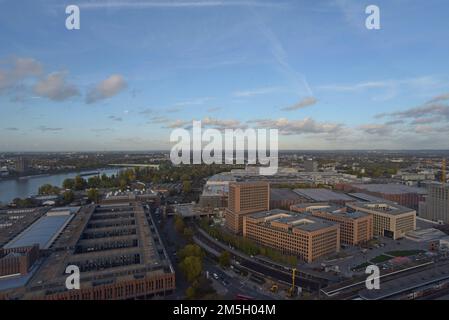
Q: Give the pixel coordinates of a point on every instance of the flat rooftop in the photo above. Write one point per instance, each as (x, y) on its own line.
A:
(394, 288)
(364, 197)
(42, 232)
(300, 221)
(278, 194)
(322, 195)
(382, 207)
(109, 243)
(390, 188)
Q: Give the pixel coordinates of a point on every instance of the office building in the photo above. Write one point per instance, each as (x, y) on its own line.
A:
(389, 219)
(436, 204)
(310, 165)
(303, 235)
(21, 165)
(245, 198)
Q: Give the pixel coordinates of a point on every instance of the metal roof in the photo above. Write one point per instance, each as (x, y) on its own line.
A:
(42, 232)
(322, 195)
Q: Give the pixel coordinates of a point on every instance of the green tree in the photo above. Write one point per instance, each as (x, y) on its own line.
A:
(179, 224)
(188, 234)
(68, 196)
(80, 183)
(48, 189)
(190, 292)
(225, 259)
(186, 186)
(68, 184)
(191, 250)
(192, 267)
(93, 195)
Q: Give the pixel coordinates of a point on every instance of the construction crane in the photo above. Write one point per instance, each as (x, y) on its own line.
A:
(291, 291)
(443, 171)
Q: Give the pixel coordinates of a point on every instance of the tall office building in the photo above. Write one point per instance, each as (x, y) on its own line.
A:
(21, 165)
(436, 205)
(245, 198)
(310, 165)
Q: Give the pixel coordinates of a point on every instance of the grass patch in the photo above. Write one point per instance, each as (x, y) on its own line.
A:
(404, 253)
(381, 258)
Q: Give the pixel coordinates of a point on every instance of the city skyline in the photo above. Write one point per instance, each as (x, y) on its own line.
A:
(138, 69)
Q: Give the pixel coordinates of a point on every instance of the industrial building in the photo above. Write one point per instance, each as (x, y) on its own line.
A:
(389, 219)
(402, 194)
(119, 254)
(303, 235)
(215, 191)
(45, 230)
(436, 204)
(15, 221)
(284, 198)
(245, 198)
(323, 195)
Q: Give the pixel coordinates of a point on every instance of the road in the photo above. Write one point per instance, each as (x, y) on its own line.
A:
(173, 242)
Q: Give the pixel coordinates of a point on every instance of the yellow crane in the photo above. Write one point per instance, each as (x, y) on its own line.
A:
(291, 291)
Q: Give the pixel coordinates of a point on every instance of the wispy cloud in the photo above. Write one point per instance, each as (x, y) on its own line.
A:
(194, 102)
(49, 129)
(439, 98)
(306, 102)
(299, 82)
(256, 92)
(388, 88)
(115, 118)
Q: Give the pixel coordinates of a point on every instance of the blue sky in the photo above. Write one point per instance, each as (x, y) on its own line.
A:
(137, 69)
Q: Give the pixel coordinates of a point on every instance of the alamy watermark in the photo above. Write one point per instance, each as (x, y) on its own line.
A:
(73, 21)
(209, 146)
(73, 280)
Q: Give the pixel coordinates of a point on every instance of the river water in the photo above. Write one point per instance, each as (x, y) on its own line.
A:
(25, 187)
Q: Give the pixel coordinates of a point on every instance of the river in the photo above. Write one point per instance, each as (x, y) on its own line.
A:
(26, 187)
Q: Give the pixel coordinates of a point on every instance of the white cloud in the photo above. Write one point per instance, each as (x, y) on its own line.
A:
(302, 126)
(18, 69)
(55, 87)
(106, 88)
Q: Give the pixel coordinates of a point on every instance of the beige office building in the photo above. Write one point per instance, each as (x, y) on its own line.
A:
(245, 198)
(389, 219)
(303, 235)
